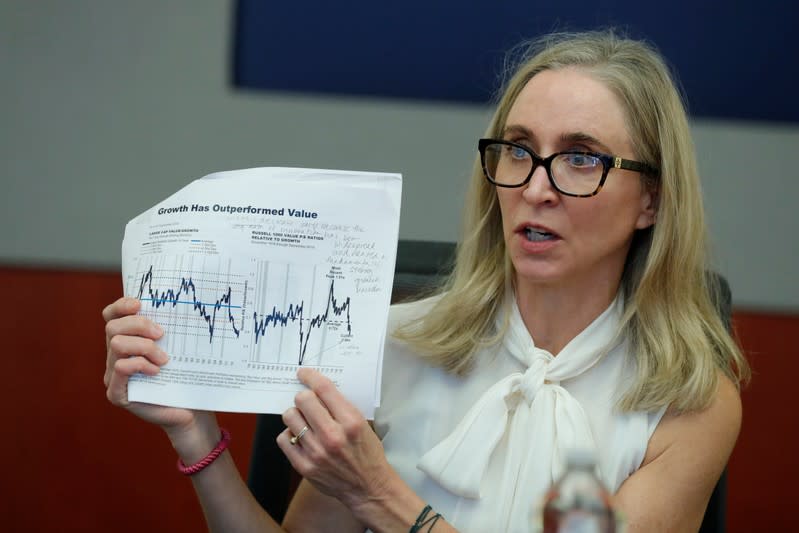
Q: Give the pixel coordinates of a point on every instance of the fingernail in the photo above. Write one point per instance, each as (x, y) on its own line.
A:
(159, 330)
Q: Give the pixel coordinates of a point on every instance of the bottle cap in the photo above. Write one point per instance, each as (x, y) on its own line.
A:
(580, 457)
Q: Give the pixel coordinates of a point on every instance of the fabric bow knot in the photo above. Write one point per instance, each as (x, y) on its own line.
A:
(524, 407)
(534, 377)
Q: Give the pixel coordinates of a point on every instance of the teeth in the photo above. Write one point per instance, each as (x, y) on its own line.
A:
(536, 235)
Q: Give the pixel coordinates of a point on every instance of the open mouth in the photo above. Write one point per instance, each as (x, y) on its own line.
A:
(537, 235)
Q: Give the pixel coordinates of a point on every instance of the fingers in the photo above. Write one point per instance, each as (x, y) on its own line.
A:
(326, 391)
(129, 337)
(127, 334)
(333, 418)
(122, 347)
(117, 391)
(131, 349)
(314, 411)
(132, 325)
(339, 455)
(294, 420)
(299, 452)
(122, 307)
(121, 319)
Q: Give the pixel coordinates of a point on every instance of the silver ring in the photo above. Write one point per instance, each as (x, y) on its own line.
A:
(295, 439)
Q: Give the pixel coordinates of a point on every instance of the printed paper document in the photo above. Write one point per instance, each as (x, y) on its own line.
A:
(254, 273)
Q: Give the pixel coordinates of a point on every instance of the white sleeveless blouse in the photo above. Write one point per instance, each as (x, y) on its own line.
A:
(482, 450)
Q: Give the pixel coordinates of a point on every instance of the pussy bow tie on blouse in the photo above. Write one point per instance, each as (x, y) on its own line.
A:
(524, 407)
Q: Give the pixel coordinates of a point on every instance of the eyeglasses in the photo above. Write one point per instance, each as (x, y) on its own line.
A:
(573, 173)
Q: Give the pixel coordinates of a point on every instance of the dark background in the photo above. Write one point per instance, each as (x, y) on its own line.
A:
(735, 59)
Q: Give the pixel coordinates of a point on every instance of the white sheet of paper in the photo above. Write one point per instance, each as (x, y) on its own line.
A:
(254, 273)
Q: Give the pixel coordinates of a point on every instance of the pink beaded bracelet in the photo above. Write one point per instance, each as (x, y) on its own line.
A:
(208, 459)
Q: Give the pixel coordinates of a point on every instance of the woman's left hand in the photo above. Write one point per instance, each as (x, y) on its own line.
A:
(338, 453)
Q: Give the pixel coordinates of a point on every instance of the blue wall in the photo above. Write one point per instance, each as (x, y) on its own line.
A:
(735, 60)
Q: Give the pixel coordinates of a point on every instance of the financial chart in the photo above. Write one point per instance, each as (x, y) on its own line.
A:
(274, 312)
(255, 274)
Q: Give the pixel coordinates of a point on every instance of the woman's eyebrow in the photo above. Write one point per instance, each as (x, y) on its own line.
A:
(584, 138)
(577, 137)
(518, 129)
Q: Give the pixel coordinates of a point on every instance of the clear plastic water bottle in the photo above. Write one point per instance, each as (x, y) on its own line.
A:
(578, 502)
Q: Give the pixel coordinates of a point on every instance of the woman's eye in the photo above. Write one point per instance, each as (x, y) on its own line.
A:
(582, 160)
(518, 153)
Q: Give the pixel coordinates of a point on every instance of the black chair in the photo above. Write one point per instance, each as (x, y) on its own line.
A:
(420, 265)
(715, 520)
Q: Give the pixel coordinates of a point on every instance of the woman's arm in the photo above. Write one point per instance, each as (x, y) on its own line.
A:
(344, 460)
(341, 456)
(227, 504)
(313, 512)
(684, 460)
(131, 348)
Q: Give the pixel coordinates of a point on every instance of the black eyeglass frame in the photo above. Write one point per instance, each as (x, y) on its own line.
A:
(608, 162)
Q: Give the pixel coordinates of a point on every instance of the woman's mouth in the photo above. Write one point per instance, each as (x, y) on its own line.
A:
(538, 235)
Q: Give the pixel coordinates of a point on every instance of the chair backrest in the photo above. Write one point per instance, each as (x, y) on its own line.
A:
(715, 515)
(420, 265)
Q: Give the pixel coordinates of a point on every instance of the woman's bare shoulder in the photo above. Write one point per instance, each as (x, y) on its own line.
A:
(718, 424)
(684, 459)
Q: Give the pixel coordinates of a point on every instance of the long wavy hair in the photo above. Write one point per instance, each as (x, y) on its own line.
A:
(675, 334)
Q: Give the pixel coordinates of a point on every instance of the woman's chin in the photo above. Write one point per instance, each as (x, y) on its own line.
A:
(538, 274)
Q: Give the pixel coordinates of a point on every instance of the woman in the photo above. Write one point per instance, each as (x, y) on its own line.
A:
(578, 315)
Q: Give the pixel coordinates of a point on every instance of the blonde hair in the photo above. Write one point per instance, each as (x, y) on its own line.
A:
(675, 334)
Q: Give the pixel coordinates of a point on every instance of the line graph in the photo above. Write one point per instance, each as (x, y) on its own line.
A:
(295, 313)
(200, 301)
(247, 311)
(170, 296)
(287, 296)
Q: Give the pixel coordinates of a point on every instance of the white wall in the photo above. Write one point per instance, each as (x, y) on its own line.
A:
(109, 106)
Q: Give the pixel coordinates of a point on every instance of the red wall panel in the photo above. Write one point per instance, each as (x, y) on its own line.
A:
(764, 467)
(74, 462)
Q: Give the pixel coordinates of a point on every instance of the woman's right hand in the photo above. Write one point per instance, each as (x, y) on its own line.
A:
(131, 348)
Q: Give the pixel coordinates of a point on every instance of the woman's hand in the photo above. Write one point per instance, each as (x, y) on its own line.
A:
(131, 348)
(338, 453)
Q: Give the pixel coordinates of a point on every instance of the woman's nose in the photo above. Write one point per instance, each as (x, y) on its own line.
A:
(539, 189)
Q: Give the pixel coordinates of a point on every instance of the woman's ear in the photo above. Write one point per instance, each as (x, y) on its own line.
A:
(649, 205)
